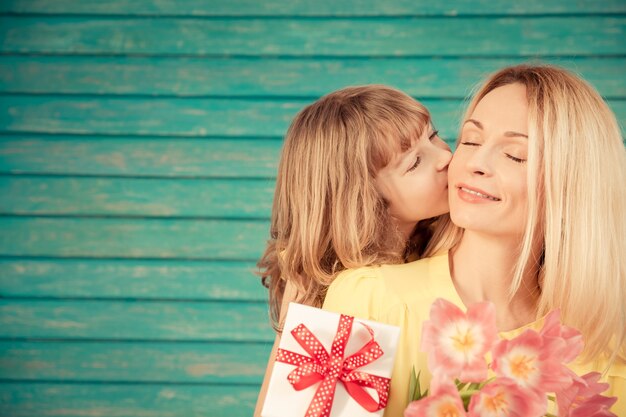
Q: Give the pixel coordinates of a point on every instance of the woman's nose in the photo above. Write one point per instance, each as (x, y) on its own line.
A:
(479, 162)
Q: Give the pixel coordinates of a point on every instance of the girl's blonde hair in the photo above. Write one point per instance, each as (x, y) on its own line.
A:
(577, 203)
(327, 213)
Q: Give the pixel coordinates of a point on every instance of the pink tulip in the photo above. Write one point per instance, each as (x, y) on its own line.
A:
(456, 342)
(443, 401)
(504, 398)
(596, 406)
(582, 397)
(582, 388)
(566, 342)
(531, 363)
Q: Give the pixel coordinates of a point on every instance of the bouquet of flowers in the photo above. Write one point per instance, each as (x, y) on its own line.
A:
(529, 370)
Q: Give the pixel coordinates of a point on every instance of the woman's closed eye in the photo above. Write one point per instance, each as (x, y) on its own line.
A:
(515, 159)
(433, 135)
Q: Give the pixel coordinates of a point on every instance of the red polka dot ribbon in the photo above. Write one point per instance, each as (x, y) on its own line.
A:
(333, 367)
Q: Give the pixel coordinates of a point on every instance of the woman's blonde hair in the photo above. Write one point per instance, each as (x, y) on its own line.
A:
(576, 203)
(327, 213)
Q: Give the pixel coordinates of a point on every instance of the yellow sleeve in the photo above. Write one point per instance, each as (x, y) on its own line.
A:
(618, 389)
(356, 292)
(617, 382)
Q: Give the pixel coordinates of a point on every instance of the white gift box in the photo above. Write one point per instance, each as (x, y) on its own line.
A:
(283, 400)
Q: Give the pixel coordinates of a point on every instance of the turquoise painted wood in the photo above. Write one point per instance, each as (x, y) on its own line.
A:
(142, 116)
(144, 279)
(98, 196)
(139, 143)
(466, 36)
(307, 8)
(217, 321)
(450, 77)
(125, 400)
(125, 156)
(133, 238)
(155, 362)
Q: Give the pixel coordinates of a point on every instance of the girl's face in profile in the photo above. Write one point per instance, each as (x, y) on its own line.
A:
(487, 176)
(415, 182)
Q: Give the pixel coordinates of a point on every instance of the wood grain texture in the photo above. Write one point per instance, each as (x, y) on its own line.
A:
(139, 156)
(141, 116)
(307, 8)
(161, 279)
(411, 36)
(156, 362)
(185, 117)
(125, 400)
(272, 77)
(145, 197)
(135, 320)
(133, 238)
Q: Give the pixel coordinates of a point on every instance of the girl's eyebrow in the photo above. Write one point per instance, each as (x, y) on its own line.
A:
(507, 134)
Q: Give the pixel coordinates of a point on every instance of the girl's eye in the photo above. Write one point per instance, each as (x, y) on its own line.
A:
(433, 135)
(466, 143)
(516, 159)
(417, 162)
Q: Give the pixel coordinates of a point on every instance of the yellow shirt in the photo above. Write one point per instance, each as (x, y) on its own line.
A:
(401, 295)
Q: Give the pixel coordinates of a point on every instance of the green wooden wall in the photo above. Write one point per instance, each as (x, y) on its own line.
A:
(138, 150)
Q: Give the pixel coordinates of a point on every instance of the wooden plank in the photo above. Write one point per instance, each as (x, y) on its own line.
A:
(213, 363)
(241, 240)
(125, 400)
(271, 77)
(130, 279)
(147, 116)
(410, 36)
(135, 320)
(146, 197)
(187, 117)
(307, 8)
(122, 156)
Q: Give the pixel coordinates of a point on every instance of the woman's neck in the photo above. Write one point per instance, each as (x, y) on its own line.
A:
(482, 269)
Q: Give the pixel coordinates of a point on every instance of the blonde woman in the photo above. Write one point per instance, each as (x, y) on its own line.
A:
(537, 186)
(360, 168)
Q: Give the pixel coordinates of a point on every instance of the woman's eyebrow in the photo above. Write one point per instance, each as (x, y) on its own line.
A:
(507, 134)
(476, 122)
(515, 135)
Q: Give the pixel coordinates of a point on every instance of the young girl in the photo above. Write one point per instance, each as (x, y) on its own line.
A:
(537, 185)
(360, 170)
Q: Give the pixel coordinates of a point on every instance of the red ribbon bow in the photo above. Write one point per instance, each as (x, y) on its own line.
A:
(329, 369)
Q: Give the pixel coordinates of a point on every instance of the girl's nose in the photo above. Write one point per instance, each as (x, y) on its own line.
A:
(445, 156)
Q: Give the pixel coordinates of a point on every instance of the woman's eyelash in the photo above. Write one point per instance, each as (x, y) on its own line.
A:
(516, 159)
(417, 162)
(511, 157)
(433, 135)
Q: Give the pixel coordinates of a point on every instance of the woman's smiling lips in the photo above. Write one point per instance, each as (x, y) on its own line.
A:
(474, 195)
